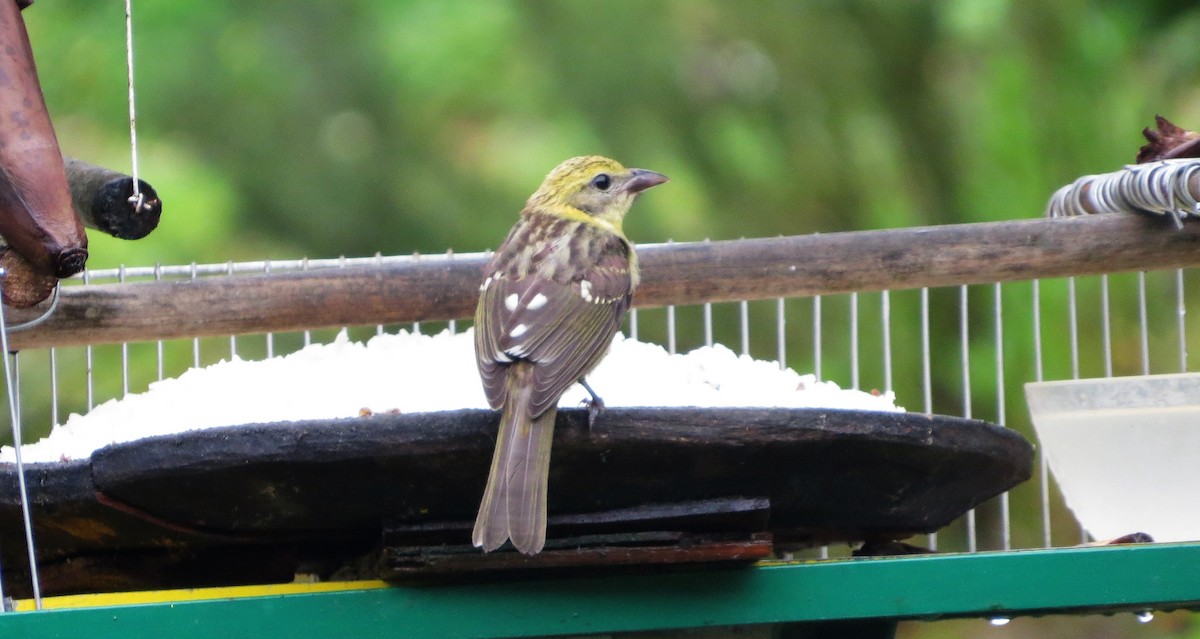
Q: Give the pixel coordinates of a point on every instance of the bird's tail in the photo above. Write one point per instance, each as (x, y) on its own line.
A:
(514, 502)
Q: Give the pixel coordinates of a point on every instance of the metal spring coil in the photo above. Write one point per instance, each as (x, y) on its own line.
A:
(1161, 188)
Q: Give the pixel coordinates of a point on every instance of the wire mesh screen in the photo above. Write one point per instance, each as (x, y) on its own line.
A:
(964, 351)
(958, 350)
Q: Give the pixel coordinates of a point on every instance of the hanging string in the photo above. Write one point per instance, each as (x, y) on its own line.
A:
(138, 198)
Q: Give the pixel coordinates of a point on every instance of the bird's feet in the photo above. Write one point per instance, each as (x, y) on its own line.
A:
(595, 405)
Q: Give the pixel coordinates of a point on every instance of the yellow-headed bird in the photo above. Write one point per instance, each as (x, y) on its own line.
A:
(552, 298)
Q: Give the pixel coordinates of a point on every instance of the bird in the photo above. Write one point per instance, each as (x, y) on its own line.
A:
(552, 298)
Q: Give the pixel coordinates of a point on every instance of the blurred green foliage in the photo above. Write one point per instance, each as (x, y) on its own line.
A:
(280, 129)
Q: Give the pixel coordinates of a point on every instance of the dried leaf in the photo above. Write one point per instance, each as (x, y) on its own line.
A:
(1167, 142)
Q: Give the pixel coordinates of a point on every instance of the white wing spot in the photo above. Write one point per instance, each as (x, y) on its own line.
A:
(537, 302)
(517, 351)
(486, 283)
(585, 290)
(518, 330)
(510, 302)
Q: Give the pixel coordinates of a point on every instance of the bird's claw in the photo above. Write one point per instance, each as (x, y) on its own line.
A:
(595, 406)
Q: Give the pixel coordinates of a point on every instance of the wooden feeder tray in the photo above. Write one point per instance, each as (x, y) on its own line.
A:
(260, 502)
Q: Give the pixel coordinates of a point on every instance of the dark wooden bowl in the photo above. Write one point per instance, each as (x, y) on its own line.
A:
(287, 492)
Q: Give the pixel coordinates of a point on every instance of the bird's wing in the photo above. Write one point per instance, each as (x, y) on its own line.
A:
(595, 304)
(490, 358)
(564, 327)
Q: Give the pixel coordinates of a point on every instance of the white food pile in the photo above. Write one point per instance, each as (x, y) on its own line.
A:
(415, 373)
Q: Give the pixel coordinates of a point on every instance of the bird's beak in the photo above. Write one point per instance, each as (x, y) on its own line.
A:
(642, 179)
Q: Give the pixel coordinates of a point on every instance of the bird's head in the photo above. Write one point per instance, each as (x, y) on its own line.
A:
(598, 188)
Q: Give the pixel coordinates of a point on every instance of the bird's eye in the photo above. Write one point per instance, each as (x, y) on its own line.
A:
(602, 181)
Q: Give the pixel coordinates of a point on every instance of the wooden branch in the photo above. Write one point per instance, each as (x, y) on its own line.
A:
(684, 273)
(932, 256)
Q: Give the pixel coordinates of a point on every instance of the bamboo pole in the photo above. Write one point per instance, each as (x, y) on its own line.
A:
(680, 273)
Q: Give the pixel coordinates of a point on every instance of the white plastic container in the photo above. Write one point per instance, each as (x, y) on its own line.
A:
(1125, 451)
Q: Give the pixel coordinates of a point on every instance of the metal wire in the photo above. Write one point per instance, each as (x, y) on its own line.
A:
(1001, 416)
(158, 344)
(1043, 464)
(232, 338)
(195, 340)
(124, 350)
(708, 318)
(270, 337)
(89, 357)
(965, 361)
(854, 381)
(926, 372)
(55, 296)
(452, 325)
(1073, 333)
(708, 323)
(1073, 326)
(417, 257)
(823, 551)
(781, 333)
(671, 329)
(886, 321)
(379, 261)
(1106, 327)
(53, 386)
(744, 325)
(1143, 323)
(1181, 320)
(926, 379)
(816, 322)
(14, 413)
(256, 266)
(670, 322)
(308, 333)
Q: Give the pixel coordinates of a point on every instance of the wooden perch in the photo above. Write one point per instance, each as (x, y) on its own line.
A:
(683, 273)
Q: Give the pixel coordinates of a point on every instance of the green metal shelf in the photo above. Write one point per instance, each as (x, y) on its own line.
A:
(991, 584)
